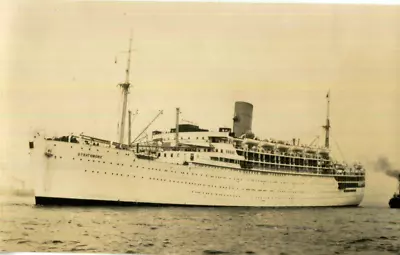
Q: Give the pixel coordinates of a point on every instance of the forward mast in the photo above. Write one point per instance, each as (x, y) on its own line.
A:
(327, 125)
(125, 90)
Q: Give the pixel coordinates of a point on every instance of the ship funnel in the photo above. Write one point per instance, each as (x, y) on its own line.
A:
(243, 118)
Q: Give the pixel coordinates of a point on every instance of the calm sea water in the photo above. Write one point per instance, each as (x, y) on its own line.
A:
(172, 230)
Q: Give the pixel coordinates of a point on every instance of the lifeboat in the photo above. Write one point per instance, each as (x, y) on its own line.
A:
(324, 151)
(250, 142)
(311, 150)
(283, 146)
(297, 149)
(267, 144)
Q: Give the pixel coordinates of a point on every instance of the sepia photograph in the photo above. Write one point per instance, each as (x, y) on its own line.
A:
(200, 127)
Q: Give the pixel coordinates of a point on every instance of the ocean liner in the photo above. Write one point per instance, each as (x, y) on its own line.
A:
(191, 166)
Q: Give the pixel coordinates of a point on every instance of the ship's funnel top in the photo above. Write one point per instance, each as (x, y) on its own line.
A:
(243, 118)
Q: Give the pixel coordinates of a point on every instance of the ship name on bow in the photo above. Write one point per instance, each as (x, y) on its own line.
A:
(89, 155)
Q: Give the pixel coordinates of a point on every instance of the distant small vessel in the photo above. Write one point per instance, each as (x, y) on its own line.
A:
(394, 202)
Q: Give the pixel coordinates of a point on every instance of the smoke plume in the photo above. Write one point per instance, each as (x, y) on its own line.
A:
(383, 165)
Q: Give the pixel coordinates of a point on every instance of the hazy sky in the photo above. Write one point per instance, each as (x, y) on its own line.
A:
(202, 57)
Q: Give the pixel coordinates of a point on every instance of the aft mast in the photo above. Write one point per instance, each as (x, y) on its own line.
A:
(328, 125)
(129, 126)
(177, 127)
(125, 88)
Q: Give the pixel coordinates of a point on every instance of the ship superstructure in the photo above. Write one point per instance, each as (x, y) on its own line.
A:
(188, 165)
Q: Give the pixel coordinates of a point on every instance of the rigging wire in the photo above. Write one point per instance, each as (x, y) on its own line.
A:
(141, 137)
(314, 134)
(340, 151)
(119, 110)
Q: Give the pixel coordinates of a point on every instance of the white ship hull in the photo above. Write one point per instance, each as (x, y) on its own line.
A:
(82, 174)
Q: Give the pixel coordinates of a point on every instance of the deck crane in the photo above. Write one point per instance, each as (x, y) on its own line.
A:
(130, 115)
(144, 130)
(313, 141)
